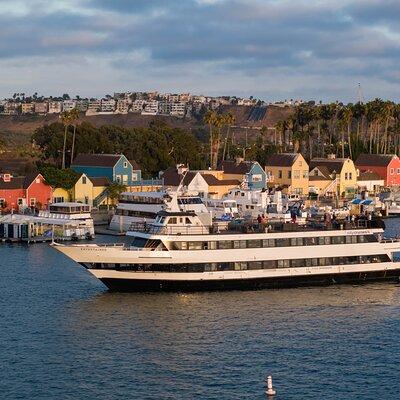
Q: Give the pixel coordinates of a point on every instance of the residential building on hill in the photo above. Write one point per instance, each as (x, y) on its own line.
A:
(342, 170)
(27, 108)
(387, 166)
(288, 171)
(41, 108)
(115, 167)
(55, 107)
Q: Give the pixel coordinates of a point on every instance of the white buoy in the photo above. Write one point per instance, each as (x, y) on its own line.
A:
(270, 390)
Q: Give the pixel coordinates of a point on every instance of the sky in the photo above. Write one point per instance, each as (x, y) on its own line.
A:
(269, 49)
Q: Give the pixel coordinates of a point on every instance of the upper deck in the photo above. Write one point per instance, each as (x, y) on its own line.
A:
(252, 227)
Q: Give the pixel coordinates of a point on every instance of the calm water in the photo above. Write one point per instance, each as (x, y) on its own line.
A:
(63, 336)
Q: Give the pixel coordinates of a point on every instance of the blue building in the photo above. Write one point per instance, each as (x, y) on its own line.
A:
(250, 173)
(116, 167)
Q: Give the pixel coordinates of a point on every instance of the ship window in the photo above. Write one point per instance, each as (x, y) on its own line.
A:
(172, 220)
(139, 242)
(338, 239)
(225, 244)
(271, 243)
(314, 262)
(311, 241)
(253, 244)
(297, 263)
(269, 264)
(321, 261)
(212, 245)
(187, 221)
(361, 239)
(265, 243)
(255, 265)
(195, 245)
(239, 244)
(283, 242)
(308, 262)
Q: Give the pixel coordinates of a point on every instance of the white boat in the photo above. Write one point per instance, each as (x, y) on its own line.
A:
(64, 221)
(186, 251)
(144, 206)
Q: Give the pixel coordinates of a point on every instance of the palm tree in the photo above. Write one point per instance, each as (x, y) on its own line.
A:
(229, 121)
(210, 118)
(281, 127)
(66, 119)
(74, 116)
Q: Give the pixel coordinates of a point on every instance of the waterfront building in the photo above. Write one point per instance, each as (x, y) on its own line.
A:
(288, 171)
(249, 173)
(115, 167)
(342, 170)
(321, 182)
(370, 181)
(387, 166)
(24, 191)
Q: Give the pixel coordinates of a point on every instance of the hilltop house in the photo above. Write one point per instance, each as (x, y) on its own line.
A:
(115, 167)
(288, 171)
(387, 166)
(249, 173)
(341, 170)
(25, 191)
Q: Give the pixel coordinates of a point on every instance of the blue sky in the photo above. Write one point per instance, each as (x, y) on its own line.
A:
(271, 49)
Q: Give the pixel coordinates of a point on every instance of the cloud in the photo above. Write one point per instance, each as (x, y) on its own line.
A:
(271, 49)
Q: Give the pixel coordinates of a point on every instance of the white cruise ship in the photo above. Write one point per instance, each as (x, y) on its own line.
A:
(186, 251)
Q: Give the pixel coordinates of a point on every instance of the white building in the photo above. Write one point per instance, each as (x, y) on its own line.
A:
(107, 105)
(151, 108)
(93, 107)
(138, 105)
(55, 107)
(69, 105)
(122, 107)
(164, 107)
(178, 109)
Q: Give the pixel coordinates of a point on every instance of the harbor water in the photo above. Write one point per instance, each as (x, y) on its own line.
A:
(64, 336)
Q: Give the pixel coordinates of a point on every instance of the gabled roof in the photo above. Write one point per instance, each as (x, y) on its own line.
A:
(19, 182)
(238, 168)
(171, 177)
(99, 181)
(369, 176)
(282, 160)
(318, 178)
(96, 160)
(374, 160)
(333, 165)
(213, 181)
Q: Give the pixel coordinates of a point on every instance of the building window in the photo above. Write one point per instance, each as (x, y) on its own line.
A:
(84, 180)
(257, 178)
(289, 174)
(296, 174)
(280, 174)
(58, 200)
(134, 177)
(2, 203)
(32, 202)
(391, 171)
(37, 180)
(20, 201)
(118, 178)
(125, 164)
(350, 175)
(398, 171)
(305, 174)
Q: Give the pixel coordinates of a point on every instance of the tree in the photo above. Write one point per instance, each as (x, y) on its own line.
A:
(66, 120)
(74, 116)
(115, 189)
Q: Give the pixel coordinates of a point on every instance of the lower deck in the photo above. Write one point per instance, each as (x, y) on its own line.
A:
(156, 285)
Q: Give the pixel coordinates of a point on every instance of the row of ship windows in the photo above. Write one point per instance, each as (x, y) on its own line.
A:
(282, 242)
(248, 265)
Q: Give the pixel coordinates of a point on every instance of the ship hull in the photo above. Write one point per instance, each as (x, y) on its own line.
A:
(158, 285)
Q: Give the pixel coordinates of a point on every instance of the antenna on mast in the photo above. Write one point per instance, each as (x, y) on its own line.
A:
(360, 95)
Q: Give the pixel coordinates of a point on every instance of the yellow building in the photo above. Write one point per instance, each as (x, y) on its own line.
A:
(342, 170)
(87, 190)
(288, 171)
